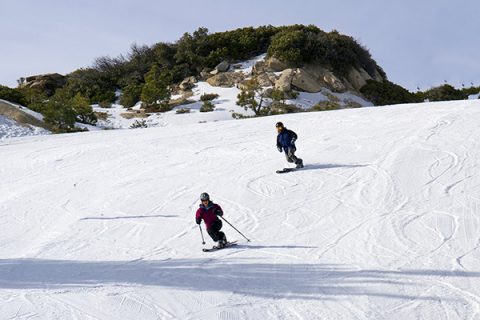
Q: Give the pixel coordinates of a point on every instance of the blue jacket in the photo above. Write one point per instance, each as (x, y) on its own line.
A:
(286, 139)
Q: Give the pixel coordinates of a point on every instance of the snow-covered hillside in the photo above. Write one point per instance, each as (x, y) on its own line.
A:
(383, 222)
(9, 128)
(225, 105)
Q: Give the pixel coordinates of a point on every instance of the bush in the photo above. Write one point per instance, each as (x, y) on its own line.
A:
(182, 111)
(283, 108)
(130, 95)
(155, 92)
(445, 93)
(207, 106)
(12, 95)
(208, 96)
(325, 106)
(386, 92)
(59, 113)
(139, 124)
(91, 84)
(471, 90)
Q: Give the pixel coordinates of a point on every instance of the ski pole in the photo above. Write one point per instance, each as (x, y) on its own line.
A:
(234, 228)
(201, 232)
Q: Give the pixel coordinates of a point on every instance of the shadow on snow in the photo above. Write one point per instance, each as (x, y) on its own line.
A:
(275, 280)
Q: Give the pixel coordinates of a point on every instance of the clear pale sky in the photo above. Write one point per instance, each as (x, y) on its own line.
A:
(418, 43)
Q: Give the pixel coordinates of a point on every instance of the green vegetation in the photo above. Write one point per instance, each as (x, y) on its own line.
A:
(386, 92)
(208, 96)
(207, 106)
(182, 111)
(12, 95)
(147, 73)
(325, 106)
(251, 97)
(445, 92)
(155, 93)
(139, 124)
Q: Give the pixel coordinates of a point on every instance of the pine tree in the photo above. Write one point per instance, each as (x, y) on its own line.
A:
(83, 109)
(59, 113)
(155, 92)
(251, 91)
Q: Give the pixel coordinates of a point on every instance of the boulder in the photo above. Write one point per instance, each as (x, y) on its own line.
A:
(226, 79)
(284, 83)
(304, 81)
(333, 82)
(265, 80)
(187, 83)
(326, 77)
(272, 64)
(46, 83)
(357, 78)
(222, 66)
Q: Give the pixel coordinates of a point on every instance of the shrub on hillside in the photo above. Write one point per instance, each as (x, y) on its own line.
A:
(325, 106)
(386, 92)
(445, 93)
(207, 106)
(283, 108)
(130, 95)
(208, 96)
(12, 95)
(92, 84)
(139, 124)
(182, 111)
(471, 90)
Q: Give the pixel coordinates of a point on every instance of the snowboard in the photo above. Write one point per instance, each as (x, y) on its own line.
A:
(285, 170)
(215, 248)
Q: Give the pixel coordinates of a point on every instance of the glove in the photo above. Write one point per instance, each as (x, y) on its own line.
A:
(219, 212)
(279, 149)
(293, 141)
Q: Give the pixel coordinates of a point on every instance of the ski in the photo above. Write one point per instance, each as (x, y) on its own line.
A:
(215, 248)
(285, 170)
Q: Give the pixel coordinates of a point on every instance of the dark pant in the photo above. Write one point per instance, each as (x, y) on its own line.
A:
(215, 232)
(290, 155)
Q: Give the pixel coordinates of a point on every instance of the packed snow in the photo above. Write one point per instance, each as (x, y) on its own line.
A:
(382, 223)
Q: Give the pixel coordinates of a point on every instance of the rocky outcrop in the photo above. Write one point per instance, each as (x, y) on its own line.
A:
(358, 78)
(187, 83)
(46, 83)
(266, 80)
(222, 66)
(304, 81)
(284, 83)
(270, 65)
(226, 79)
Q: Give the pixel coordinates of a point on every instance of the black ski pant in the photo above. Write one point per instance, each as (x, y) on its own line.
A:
(290, 155)
(215, 233)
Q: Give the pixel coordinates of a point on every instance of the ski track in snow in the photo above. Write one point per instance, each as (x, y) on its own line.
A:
(382, 223)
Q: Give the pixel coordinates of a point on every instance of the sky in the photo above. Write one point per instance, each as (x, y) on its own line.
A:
(418, 43)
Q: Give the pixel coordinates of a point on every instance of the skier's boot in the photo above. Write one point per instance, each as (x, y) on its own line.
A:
(222, 242)
(299, 164)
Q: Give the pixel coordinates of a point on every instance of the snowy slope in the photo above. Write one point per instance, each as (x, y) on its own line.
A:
(10, 129)
(383, 223)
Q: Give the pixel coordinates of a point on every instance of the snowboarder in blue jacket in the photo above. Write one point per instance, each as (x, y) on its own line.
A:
(286, 142)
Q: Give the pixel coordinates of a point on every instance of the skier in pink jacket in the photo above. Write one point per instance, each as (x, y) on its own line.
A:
(209, 212)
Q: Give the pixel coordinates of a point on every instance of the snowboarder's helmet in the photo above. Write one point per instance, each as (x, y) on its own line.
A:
(279, 125)
(204, 196)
